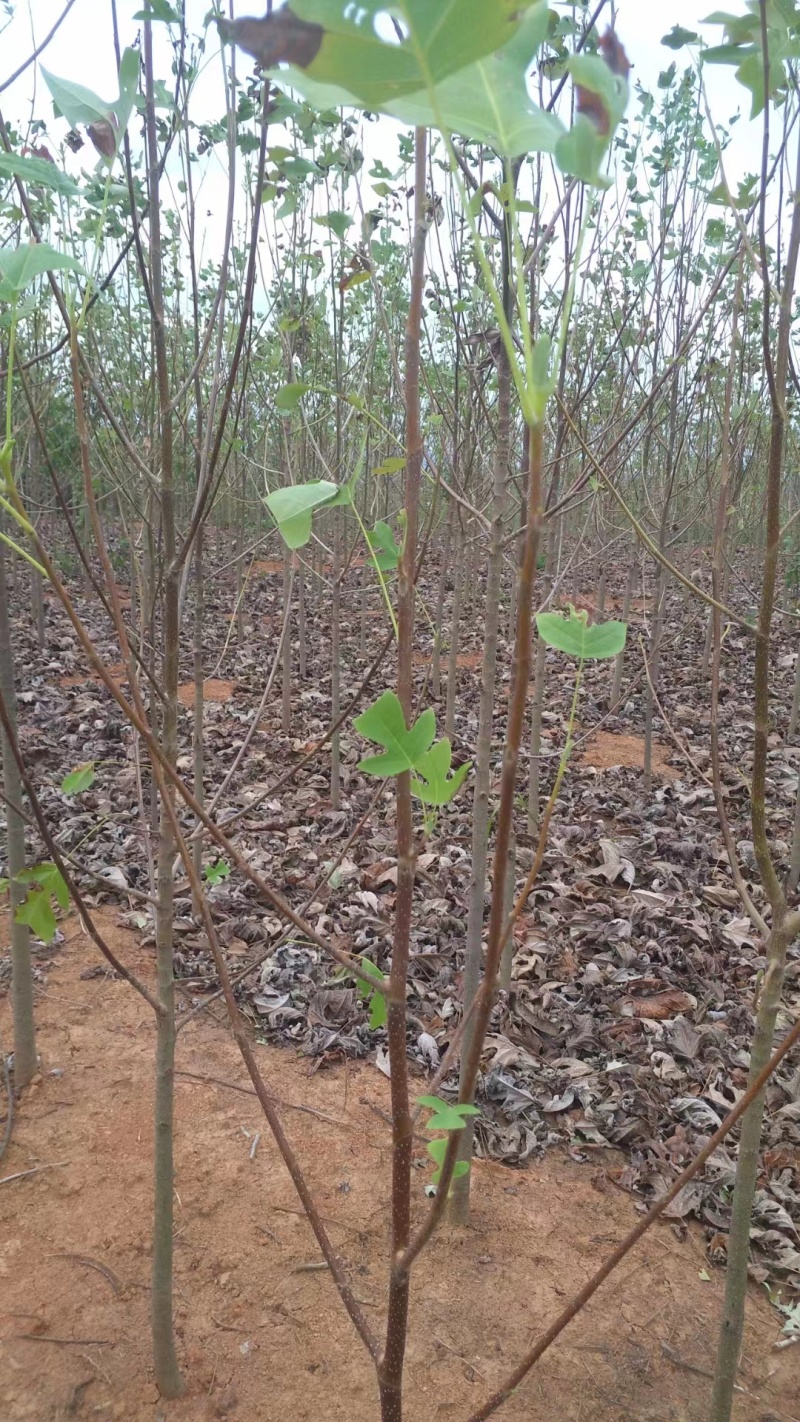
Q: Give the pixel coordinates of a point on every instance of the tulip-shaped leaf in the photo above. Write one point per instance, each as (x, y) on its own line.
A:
(385, 723)
(573, 634)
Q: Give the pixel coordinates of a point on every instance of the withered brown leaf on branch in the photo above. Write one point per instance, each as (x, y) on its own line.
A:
(591, 104)
(275, 39)
(614, 54)
(103, 134)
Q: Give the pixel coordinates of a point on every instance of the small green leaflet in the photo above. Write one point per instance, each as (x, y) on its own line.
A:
(743, 46)
(409, 750)
(79, 779)
(338, 222)
(437, 1150)
(215, 873)
(378, 1012)
(572, 634)
(678, 37)
(448, 1116)
(293, 508)
(19, 266)
(433, 784)
(161, 11)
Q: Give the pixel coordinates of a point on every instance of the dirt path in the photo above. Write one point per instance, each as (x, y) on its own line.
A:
(261, 1333)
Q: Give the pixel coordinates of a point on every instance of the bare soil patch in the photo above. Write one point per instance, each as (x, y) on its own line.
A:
(606, 749)
(262, 1334)
(213, 690)
(466, 661)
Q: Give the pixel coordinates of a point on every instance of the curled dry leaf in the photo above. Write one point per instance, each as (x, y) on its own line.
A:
(661, 1006)
(104, 137)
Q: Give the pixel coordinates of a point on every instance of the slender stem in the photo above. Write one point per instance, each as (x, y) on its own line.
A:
(391, 1368)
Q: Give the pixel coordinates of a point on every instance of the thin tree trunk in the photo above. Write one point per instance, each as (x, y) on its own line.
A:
(507, 962)
(455, 627)
(436, 659)
(21, 970)
(197, 731)
(301, 622)
(335, 667)
(167, 1372)
(286, 663)
(483, 758)
(390, 1373)
(784, 925)
(619, 661)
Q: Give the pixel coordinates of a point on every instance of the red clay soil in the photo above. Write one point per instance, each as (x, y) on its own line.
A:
(604, 750)
(261, 1333)
(213, 690)
(467, 661)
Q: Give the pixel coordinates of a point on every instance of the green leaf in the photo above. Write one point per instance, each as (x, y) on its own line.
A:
(38, 915)
(289, 396)
(338, 222)
(391, 466)
(77, 103)
(580, 153)
(293, 509)
(79, 779)
(128, 87)
(19, 266)
(384, 548)
(572, 634)
(39, 172)
(372, 971)
(355, 52)
(544, 379)
(435, 785)
(385, 723)
(378, 1011)
(48, 876)
(215, 873)
(81, 105)
(437, 1150)
(489, 101)
(678, 37)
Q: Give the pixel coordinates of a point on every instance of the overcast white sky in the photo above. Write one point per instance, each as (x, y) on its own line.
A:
(83, 50)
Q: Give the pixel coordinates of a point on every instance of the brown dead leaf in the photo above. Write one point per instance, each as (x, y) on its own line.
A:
(662, 1005)
(275, 39)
